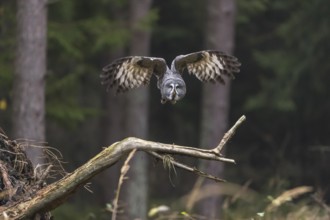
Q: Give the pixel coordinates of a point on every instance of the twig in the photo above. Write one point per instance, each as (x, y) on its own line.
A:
(288, 195)
(8, 188)
(42, 176)
(318, 199)
(194, 193)
(188, 168)
(228, 135)
(122, 177)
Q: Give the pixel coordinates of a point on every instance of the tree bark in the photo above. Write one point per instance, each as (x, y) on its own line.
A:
(112, 130)
(112, 123)
(220, 36)
(29, 78)
(137, 104)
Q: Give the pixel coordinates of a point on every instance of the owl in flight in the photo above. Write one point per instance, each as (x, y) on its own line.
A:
(134, 71)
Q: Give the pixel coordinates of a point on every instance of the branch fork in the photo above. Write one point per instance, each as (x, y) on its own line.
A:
(55, 194)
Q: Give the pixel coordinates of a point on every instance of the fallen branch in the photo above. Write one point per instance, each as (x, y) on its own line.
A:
(55, 194)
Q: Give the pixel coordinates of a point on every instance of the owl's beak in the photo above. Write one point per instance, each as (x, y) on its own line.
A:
(173, 91)
(174, 96)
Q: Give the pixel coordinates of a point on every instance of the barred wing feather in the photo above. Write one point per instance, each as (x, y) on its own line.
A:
(208, 65)
(131, 72)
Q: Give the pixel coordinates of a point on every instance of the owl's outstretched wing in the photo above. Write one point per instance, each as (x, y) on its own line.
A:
(131, 72)
(208, 65)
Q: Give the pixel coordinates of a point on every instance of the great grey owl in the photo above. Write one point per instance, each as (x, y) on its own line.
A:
(133, 71)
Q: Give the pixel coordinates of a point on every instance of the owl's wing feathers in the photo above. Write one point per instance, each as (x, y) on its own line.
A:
(208, 65)
(131, 72)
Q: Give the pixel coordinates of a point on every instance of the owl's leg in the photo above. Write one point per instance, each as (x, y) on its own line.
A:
(163, 101)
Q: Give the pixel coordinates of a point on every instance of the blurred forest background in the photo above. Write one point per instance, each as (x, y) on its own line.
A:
(283, 89)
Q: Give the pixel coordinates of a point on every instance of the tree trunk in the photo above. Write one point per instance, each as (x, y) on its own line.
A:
(137, 102)
(112, 123)
(215, 102)
(29, 79)
(112, 130)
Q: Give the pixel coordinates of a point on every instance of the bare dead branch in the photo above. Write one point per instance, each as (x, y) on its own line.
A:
(8, 188)
(228, 135)
(188, 168)
(288, 195)
(43, 175)
(317, 196)
(123, 173)
(56, 193)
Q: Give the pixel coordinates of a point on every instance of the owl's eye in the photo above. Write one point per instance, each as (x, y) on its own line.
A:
(169, 86)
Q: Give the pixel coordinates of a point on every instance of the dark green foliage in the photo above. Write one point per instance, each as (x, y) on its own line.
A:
(7, 47)
(76, 40)
(283, 87)
(285, 47)
(7, 50)
(299, 56)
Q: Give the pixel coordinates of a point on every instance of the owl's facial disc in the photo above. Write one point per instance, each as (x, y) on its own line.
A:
(173, 90)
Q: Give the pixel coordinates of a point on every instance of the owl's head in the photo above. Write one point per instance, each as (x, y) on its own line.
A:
(172, 90)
